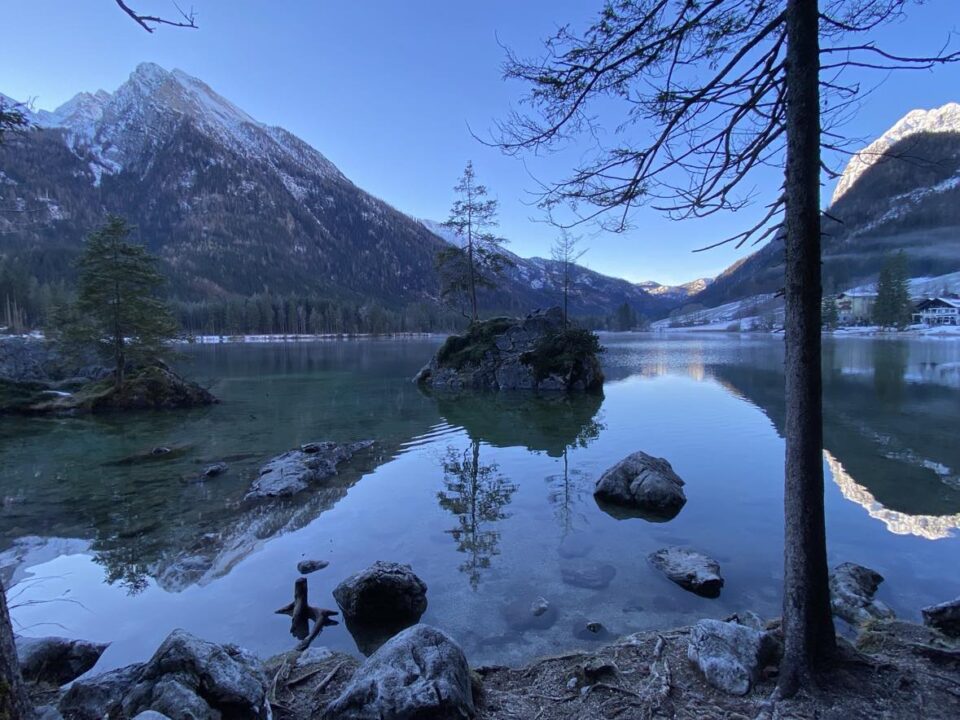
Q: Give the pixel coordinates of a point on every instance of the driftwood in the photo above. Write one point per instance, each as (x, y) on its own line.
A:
(301, 612)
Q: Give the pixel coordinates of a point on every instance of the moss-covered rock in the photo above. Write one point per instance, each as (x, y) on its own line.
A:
(531, 353)
(149, 388)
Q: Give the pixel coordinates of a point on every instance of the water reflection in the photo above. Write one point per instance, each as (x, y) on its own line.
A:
(546, 422)
(566, 491)
(477, 494)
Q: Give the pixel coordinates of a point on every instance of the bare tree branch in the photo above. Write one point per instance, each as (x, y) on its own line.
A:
(148, 22)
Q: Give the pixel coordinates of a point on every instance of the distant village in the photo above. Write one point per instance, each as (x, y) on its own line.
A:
(856, 307)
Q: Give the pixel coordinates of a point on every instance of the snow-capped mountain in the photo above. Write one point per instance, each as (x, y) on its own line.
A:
(901, 192)
(944, 119)
(234, 207)
(678, 292)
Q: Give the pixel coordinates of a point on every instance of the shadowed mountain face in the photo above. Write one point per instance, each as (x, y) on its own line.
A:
(908, 200)
(233, 207)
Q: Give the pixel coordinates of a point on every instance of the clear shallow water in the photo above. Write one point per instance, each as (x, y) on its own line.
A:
(105, 548)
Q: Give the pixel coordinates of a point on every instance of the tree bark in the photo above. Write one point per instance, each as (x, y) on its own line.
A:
(14, 703)
(807, 620)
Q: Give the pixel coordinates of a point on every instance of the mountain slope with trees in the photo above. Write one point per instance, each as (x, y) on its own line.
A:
(256, 230)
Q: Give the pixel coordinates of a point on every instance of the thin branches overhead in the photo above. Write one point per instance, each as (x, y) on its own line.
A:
(698, 92)
(150, 22)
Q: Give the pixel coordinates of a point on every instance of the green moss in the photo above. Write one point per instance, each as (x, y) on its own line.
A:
(564, 352)
(459, 351)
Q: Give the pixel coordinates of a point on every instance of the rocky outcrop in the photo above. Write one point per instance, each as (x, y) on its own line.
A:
(730, 656)
(945, 617)
(852, 590)
(186, 678)
(56, 660)
(156, 387)
(641, 486)
(533, 353)
(420, 673)
(296, 470)
(33, 359)
(690, 570)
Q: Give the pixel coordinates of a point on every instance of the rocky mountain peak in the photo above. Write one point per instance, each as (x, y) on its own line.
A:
(945, 119)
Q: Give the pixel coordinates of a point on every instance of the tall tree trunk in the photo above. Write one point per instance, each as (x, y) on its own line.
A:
(14, 703)
(807, 621)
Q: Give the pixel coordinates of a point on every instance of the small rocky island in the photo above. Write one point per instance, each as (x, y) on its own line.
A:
(532, 353)
(37, 379)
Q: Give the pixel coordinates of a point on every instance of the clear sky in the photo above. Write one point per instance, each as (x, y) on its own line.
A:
(388, 90)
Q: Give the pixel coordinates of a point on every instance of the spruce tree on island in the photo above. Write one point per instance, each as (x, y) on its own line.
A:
(478, 261)
(119, 313)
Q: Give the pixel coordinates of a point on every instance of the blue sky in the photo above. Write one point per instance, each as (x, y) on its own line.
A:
(389, 90)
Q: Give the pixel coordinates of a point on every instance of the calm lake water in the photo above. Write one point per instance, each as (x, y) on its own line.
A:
(486, 497)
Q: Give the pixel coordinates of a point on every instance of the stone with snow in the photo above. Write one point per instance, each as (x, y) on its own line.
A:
(420, 673)
(641, 485)
(689, 569)
(852, 590)
(296, 470)
(730, 656)
(99, 696)
(56, 660)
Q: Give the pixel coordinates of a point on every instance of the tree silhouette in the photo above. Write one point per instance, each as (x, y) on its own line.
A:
(724, 87)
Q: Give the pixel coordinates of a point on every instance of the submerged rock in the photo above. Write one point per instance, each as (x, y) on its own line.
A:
(524, 614)
(533, 353)
(731, 656)
(420, 673)
(690, 570)
(217, 468)
(852, 590)
(586, 574)
(296, 470)
(641, 486)
(305, 567)
(56, 660)
(945, 617)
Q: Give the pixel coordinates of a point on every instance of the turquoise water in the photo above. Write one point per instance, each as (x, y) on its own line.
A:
(486, 497)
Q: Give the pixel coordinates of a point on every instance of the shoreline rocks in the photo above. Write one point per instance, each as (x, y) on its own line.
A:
(944, 617)
(296, 470)
(690, 570)
(56, 660)
(420, 673)
(384, 593)
(730, 656)
(852, 590)
(532, 353)
(641, 486)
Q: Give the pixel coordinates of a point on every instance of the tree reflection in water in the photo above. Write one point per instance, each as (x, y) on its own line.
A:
(477, 494)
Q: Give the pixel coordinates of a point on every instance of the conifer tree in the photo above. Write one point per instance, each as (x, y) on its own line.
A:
(892, 307)
(565, 254)
(830, 313)
(479, 260)
(118, 312)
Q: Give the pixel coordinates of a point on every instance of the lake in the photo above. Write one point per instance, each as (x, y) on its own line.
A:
(487, 497)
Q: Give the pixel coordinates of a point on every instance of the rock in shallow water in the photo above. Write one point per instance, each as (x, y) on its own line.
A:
(852, 590)
(525, 614)
(586, 574)
(383, 593)
(690, 570)
(731, 656)
(945, 617)
(641, 486)
(305, 567)
(421, 673)
(296, 470)
(56, 660)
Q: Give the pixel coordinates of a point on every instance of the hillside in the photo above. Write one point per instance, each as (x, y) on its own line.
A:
(900, 192)
(243, 215)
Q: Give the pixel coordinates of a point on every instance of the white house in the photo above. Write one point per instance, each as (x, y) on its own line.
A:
(938, 311)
